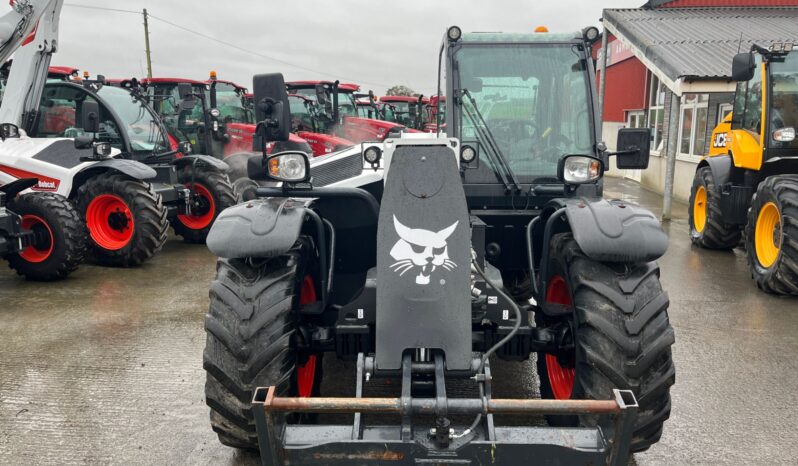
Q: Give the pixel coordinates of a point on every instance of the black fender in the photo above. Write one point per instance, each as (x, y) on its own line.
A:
(720, 166)
(614, 231)
(17, 186)
(264, 227)
(206, 159)
(131, 168)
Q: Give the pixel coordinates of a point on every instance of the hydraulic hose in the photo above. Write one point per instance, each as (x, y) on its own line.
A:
(493, 348)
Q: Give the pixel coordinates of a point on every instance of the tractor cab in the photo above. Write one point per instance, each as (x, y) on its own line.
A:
(183, 107)
(409, 111)
(125, 119)
(337, 106)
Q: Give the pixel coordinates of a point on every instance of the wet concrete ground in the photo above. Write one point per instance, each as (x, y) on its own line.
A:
(106, 367)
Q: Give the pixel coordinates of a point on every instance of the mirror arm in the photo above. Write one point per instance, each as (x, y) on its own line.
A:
(633, 150)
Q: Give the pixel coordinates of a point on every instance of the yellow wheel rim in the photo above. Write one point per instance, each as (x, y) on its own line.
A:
(700, 209)
(767, 237)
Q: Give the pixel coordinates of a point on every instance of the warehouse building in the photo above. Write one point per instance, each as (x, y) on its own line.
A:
(668, 67)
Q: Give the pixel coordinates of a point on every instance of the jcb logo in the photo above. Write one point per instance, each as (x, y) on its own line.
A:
(719, 140)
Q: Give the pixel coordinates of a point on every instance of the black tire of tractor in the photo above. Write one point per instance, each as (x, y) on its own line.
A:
(249, 326)
(149, 215)
(622, 337)
(716, 234)
(219, 187)
(69, 236)
(781, 278)
(244, 189)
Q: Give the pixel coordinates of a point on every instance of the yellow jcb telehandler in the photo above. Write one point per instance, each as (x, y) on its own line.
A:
(747, 185)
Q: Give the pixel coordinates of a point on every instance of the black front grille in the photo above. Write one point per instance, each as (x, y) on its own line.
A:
(340, 168)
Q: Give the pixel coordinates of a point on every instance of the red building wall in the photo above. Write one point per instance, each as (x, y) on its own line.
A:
(626, 89)
(626, 85)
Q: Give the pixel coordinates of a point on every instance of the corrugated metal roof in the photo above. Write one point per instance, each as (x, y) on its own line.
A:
(699, 43)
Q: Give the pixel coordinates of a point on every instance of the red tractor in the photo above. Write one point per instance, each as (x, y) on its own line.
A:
(436, 114)
(337, 109)
(214, 116)
(312, 125)
(406, 110)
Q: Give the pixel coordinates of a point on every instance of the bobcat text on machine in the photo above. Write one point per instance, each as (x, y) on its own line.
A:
(424, 273)
(747, 186)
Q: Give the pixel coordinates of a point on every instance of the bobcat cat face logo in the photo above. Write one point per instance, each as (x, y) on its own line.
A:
(422, 249)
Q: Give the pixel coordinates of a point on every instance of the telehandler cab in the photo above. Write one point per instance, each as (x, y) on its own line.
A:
(747, 186)
(432, 268)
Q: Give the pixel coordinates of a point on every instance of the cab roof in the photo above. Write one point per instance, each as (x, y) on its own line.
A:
(403, 98)
(347, 87)
(520, 37)
(193, 82)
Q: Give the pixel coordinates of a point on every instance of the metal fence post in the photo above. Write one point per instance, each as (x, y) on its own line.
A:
(670, 158)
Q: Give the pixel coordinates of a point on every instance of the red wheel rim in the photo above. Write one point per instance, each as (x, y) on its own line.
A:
(35, 253)
(198, 222)
(561, 378)
(110, 222)
(306, 373)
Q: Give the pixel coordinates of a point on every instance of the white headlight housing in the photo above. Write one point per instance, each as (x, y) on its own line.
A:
(784, 134)
(215, 112)
(579, 169)
(291, 167)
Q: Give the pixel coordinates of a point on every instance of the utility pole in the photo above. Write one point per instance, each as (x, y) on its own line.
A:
(147, 44)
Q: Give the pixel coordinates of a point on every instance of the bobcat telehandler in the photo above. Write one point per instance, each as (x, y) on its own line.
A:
(747, 186)
(193, 188)
(432, 268)
(125, 217)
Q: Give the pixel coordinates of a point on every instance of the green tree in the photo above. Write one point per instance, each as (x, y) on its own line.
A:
(400, 89)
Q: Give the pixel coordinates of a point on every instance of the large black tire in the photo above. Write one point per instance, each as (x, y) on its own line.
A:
(715, 234)
(780, 277)
(148, 214)
(622, 337)
(217, 194)
(60, 237)
(250, 327)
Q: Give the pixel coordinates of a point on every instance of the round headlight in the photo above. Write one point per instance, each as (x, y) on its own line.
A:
(580, 169)
(591, 34)
(468, 154)
(372, 155)
(215, 112)
(454, 33)
(288, 167)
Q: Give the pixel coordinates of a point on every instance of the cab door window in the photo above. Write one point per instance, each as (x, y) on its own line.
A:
(748, 103)
(60, 115)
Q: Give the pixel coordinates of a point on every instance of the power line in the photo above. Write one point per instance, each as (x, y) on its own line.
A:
(220, 41)
(92, 7)
(252, 52)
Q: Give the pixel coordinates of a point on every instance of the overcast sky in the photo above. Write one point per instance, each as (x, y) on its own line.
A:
(374, 43)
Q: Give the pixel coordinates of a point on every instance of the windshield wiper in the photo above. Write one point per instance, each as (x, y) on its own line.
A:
(494, 152)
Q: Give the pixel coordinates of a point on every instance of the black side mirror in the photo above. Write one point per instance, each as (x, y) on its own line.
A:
(90, 116)
(187, 98)
(271, 109)
(8, 130)
(743, 66)
(255, 167)
(84, 141)
(634, 146)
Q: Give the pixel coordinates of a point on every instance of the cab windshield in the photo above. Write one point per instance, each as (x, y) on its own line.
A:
(138, 121)
(347, 105)
(534, 100)
(231, 105)
(400, 113)
(784, 103)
